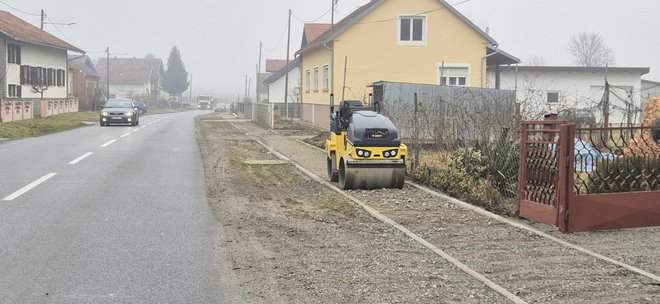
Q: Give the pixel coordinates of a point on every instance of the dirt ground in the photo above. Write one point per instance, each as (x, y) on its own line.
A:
(291, 239)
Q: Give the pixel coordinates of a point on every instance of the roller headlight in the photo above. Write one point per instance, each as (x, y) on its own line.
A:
(129, 113)
(393, 153)
(104, 113)
(387, 154)
(363, 153)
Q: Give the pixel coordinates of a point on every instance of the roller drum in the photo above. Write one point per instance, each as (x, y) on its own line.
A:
(371, 174)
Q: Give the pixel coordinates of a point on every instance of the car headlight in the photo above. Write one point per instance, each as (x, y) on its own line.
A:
(129, 113)
(104, 113)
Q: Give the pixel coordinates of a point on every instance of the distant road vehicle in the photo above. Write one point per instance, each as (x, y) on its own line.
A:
(119, 111)
(204, 102)
(142, 107)
(221, 107)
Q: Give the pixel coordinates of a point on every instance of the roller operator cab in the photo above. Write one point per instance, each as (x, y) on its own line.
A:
(364, 150)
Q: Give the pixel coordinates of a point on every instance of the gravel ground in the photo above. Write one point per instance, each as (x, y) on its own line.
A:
(295, 239)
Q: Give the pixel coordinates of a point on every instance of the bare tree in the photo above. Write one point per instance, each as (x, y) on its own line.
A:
(40, 86)
(589, 50)
(535, 61)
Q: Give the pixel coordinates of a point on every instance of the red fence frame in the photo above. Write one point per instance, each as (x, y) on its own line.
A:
(571, 212)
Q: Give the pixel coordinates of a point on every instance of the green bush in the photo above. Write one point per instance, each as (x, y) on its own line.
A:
(625, 174)
(464, 178)
(501, 161)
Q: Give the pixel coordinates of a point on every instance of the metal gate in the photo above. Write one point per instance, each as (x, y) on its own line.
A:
(589, 178)
(543, 166)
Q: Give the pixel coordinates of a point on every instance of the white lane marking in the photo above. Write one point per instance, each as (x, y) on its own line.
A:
(77, 160)
(108, 143)
(124, 135)
(29, 187)
(386, 220)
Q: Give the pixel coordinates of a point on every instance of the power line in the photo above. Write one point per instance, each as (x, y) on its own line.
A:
(317, 19)
(286, 27)
(58, 29)
(18, 10)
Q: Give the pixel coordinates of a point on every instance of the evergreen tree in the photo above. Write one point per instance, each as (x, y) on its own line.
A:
(175, 78)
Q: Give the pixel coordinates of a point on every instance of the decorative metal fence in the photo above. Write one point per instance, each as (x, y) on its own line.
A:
(604, 178)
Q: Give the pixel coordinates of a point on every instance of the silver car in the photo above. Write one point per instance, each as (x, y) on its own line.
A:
(122, 111)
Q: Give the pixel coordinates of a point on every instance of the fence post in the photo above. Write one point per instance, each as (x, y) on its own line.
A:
(565, 152)
(522, 165)
(416, 128)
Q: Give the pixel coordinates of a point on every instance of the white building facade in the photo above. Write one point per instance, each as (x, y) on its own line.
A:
(277, 82)
(547, 89)
(39, 64)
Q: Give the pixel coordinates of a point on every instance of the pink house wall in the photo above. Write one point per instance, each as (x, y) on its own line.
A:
(317, 114)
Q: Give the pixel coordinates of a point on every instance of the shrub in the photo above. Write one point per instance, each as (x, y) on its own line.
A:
(625, 174)
(464, 178)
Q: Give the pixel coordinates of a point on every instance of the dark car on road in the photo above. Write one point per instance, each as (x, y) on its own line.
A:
(119, 111)
(221, 107)
(142, 107)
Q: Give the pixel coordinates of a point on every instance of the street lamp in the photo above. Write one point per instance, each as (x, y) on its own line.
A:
(43, 21)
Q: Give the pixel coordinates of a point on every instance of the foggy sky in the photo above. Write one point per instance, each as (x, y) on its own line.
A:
(219, 39)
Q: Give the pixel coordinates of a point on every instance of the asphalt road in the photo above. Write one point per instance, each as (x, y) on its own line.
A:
(110, 215)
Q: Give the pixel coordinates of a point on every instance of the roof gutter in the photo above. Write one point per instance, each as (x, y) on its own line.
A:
(332, 65)
(483, 62)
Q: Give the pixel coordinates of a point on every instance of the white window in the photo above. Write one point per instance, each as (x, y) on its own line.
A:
(14, 91)
(553, 97)
(316, 79)
(307, 80)
(454, 75)
(412, 29)
(325, 78)
(13, 53)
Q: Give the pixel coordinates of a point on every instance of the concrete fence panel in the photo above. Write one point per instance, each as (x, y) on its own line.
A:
(16, 109)
(264, 115)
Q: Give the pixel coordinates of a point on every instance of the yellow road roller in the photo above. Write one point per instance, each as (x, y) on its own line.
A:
(364, 150)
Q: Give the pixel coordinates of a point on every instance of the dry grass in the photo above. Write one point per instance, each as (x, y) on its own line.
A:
(43, 126)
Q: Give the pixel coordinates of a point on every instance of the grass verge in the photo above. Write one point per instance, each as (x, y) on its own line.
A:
(43, 126)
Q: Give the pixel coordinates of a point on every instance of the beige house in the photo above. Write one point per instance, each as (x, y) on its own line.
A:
(414, 41)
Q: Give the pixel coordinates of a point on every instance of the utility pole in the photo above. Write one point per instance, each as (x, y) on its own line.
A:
(191, 88)
(107, 70)
(43, 19)
(606, 101)
(261, 45)
(286, 78)
(332, 19)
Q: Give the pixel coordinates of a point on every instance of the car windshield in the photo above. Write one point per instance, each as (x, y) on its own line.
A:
(118, 104)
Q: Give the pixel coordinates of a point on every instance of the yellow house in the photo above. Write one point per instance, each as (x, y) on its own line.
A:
(414, 41)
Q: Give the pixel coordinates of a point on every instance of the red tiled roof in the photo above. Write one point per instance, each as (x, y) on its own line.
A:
(314, 30)
(20, 30)
(274, 65)
(129, 71)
